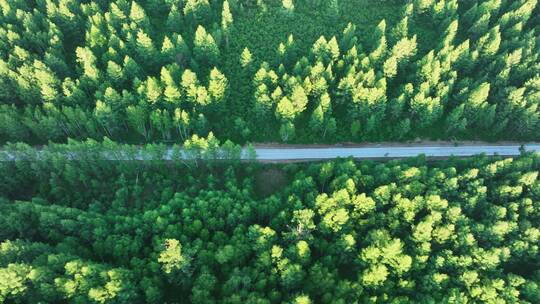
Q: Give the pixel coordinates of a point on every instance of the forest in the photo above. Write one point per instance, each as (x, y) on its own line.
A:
(128, 173)
(402, 231)
(296, 71)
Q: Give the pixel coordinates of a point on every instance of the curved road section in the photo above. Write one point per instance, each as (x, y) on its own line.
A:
(306, 154)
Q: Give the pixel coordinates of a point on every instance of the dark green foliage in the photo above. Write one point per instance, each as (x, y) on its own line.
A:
(92, 230)
(293, 71)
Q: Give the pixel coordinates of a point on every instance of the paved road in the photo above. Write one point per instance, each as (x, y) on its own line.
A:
(282, 154)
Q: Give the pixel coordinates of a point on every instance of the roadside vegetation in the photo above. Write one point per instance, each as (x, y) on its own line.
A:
(96, 231)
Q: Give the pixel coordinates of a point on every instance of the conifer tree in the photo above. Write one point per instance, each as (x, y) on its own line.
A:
(171, 93)
(379, 41)
(168, 50)
(153, 90)
(455, 122)
(299, 99)
(104, 116)
(226, 22)
(131, 69)
(147, 50)
(288, 7)
(183, 53)
(205, 49)
(88, 61)
(138, 15)
(348, 39)
(189, 84)
(217, 87)
(47, 81)
(137, 119)
(477, 103)
(400, 30)
(197, 11)
(488, 45)
(174, 19)
(182, 122)
(285, 109)
(114, 72)
(480, 26)
(246, 58)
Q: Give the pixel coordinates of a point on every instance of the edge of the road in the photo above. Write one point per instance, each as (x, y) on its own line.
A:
(391, 144)
(280, 153)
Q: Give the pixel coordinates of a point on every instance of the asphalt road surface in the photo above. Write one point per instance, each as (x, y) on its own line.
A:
(285, 154)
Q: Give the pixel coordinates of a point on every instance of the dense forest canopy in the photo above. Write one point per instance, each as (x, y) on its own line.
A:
(87, 218)
(94, 231)
(269, 70)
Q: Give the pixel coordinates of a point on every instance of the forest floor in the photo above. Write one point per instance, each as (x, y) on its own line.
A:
(270, 180)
